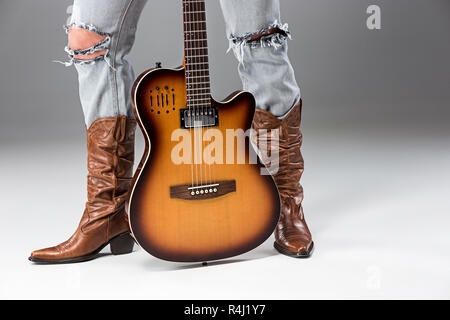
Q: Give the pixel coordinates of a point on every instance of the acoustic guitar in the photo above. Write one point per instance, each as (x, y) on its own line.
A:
(197, 194)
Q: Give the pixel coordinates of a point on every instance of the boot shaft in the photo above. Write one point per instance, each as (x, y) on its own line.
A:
(282, 137)
(110, 147)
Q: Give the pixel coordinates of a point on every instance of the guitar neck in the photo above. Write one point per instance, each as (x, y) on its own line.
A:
(196, 51)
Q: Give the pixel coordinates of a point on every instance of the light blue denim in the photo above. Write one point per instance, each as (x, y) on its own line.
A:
(105, 82)
(264, 66)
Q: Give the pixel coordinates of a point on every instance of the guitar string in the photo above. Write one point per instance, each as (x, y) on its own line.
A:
(213, 165)
(195, 12)
(188, 81)
(209, 77)
(193, 50)
(197, 111)
(208, 91)
(202, 44)
(200, 9)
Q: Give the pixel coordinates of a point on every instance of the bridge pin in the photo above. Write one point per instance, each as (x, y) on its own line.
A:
(196, 192)
(206, 191)
(192, 193)
(215, 189)
(201, 191)
(210, 190)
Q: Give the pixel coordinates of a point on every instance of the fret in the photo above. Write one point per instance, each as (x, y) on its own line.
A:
(198, 83)
(203, 93)
(191, 71)
(201, 48)
(201, 67)
(189, 12)
(198, 94)
(203, 21)
(198, 99)
(196, 62)
(198, 77)
(197, 106)
(195, 68)
(196, 71)
(204, 102)
(205, 88)
(199, 54)
(189, 86)
(198, 89)
(206, 98)
(201, 105)
(200, 60)
(192, 2)
(192, 80)
(194, 31)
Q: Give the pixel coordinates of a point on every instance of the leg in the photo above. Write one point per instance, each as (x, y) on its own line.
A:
(100, 35)
(259, 43)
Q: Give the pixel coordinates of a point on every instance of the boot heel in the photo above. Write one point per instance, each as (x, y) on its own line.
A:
(122, 244)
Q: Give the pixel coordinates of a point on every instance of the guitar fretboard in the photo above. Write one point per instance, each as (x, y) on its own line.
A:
(196, 54)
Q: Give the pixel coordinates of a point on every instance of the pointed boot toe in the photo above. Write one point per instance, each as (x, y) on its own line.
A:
(45, 254)
(110, 146)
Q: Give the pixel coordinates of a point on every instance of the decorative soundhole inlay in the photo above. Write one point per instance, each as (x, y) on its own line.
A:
(162, 99)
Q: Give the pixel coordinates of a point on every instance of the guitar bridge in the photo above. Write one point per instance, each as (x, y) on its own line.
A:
(203, 192)
(199, 117)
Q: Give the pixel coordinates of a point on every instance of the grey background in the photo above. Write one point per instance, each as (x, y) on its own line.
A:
(397, 75)
(376, 144)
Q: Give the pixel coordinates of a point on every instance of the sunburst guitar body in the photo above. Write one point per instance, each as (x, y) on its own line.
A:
(197, 203)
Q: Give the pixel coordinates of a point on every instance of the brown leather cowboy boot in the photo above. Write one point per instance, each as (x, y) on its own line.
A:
(110, 146)
(292, 236)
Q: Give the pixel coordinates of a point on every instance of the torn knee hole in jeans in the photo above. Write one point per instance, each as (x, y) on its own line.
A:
(86, 45)
(274, 35)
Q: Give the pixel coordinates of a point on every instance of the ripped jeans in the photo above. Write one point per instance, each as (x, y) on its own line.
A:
(256, 36)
